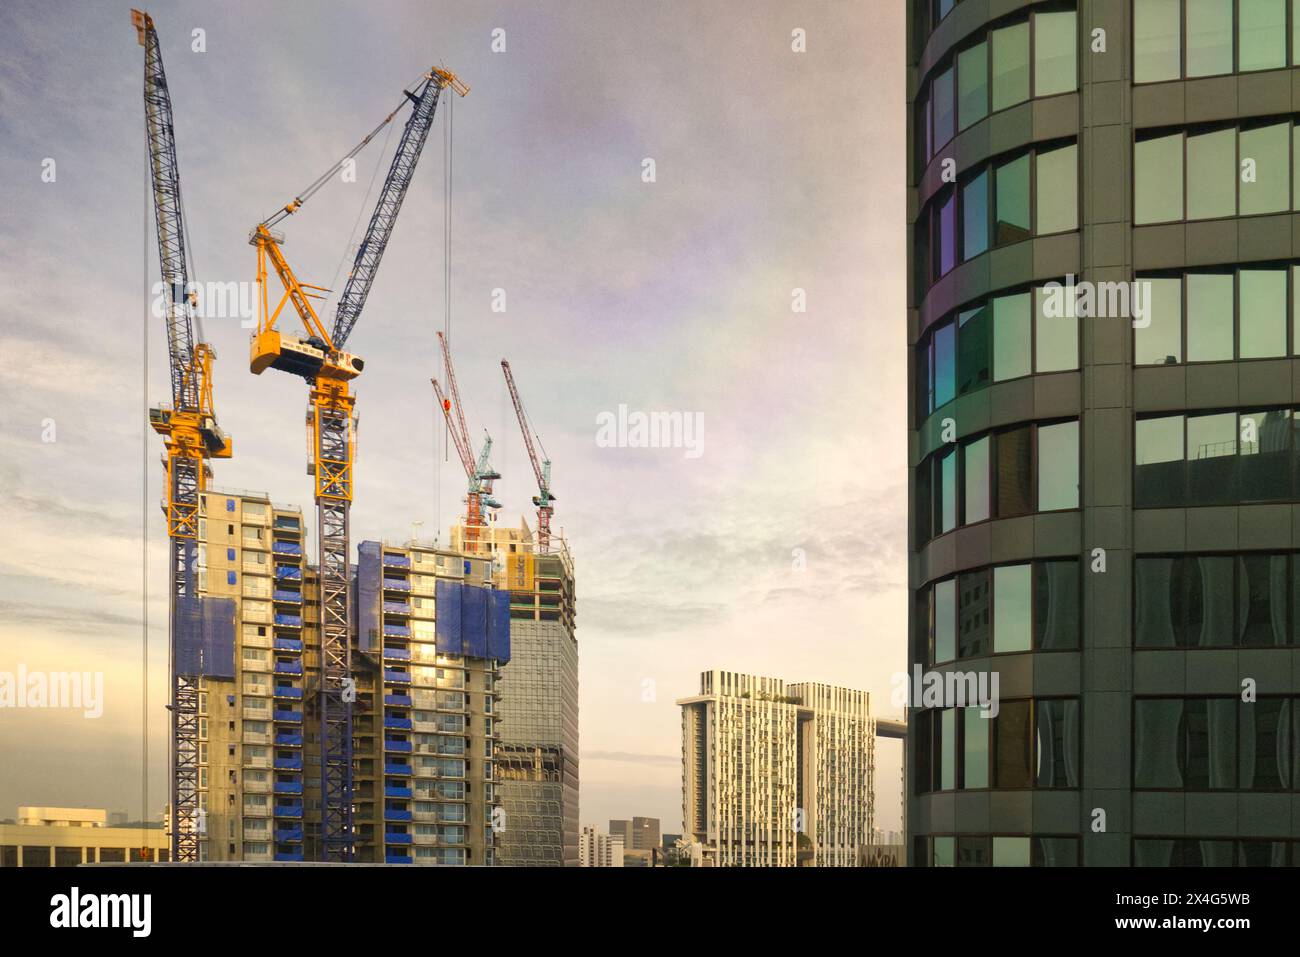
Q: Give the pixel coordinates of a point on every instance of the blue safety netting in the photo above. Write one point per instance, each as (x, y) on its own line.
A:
(368, 595)
(205, 637)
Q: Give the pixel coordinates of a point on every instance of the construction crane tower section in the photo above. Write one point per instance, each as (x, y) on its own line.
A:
(200, 631)
(541, 468)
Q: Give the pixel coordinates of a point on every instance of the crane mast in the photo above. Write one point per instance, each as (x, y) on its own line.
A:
(541, 469)
(320, 359)
(480, 474)
(190, 436)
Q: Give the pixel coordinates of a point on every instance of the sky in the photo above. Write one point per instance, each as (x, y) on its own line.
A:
(778, 549)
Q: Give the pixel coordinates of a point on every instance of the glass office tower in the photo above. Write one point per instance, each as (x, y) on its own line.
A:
(1104, 491)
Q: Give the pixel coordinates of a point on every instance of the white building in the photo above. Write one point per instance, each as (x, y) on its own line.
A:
(777, 775)
(599, 850)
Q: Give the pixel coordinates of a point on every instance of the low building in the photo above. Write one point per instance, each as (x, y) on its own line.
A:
(66, 837)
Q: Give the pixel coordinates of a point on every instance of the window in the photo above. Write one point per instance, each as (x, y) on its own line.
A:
(1158, 180)
(1010, 65)
(947, 229)
(975, 216)
(1155, 40)
(1013, 745)
(975, 748)
(948, 491)
(1185, 744)
(976, 475)
(1263, 312)
(942, 99)
(945, 364)
(1261, 37)
(1011, 852)
(1057, 608)
(1265, 465)
(1011, 337)
(1015, 473)
(1212, 174)
(1212, 459)
(1158, 461)
(1056, 338)
(1012, 606)
(1268, 149)
(1055, 69)
(1194, 601)
(947, 749)
(1209, 316)
(1209, 37)
(1011, 181)
(945, 620)
(1058, 190)
(1058, 466)
(973, 620)
(973, 353)
(973, 84)
(1159, 341)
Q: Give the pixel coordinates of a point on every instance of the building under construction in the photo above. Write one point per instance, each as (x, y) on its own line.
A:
(537, 751)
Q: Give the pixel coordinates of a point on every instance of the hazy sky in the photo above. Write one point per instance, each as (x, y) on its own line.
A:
(775, 170)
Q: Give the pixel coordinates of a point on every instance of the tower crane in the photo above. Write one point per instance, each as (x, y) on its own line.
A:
(321, 360)
(480, 474)
(191, 437)
(541, 469)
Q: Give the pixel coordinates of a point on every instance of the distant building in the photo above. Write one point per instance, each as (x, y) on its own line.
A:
(669, 840)
(66, 837)
(777, 775)
(639, 833)
(599, 850)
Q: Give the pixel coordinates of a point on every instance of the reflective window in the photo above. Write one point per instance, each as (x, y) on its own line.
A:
(1158, 180)
(1263, 584)
(974, 352)
(948, 491)
(1212, 459)
(1265, 455)
(947, 749)
(1011, 852)
(1158, 342)
(1158, 457)
(941, 99)
(1185, 744)
(1056, 605)
(1057, 730)
(1261, 35)
(1208, 601)
(1209, 37)
(972, 84)
(1058, 466)
(1011, 337)
(945, 852)
(1010, 65)
(1263, 313)
(1212, 174)
(1012, 608)
(1156, 29)
(1011, 182)
(1058, 190)
(945, 620)
(975, 216)
(976, 471)
(947, 224)
(975, 748)
(1265, 740)
(1209, 317)
(1056, 342)
(1012, 745)
(1015, 475)
(1266, 151)
(945, 364)
(1055, 70)
(1157, 751)
(973, 620)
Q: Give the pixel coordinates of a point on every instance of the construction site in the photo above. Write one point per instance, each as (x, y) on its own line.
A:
(349, 699)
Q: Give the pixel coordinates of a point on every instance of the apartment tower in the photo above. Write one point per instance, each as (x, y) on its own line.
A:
(1103, 473)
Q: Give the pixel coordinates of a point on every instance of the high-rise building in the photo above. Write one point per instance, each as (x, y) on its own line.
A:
(537, 754)
(432, 635)
(1102, 445)
(424, 716)
(599, 850)
(777, 775)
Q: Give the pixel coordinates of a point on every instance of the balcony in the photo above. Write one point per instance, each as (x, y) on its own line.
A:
(396, 584)
(288, 594)
(288, 740)
(256, 737)
(285, 835)
(397, 677)
(285, 524)
(294, 716)
(397, 747)
(282, 691)
(392, 814)
(288, 621)
(291, 811)
(289, 855)
(288, 787)
(397, 859)
(396, 561)
(397, 608)
(397, 654)
(288, 764)
(396, 792)
(397, 631)
(397, 770)
(288, 573)
(287, 548)
(395, 837)
(398, 724)
(288, 644)
(288, 667)
(398, 700)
